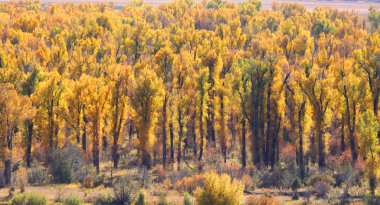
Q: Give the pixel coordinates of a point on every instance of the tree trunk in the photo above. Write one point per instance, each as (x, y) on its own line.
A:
(8, 161)
(8, 171)
(95, 145)
(222, 133)
(342, 142)
(201, 131)
(269, 126)
(194, 136)
(301, 114)
(243, 143)
(51, 125)
(164, 115)
(180, 135)
(275, 145)
(171, 142)
(321, 144)
(115, 154)
(84, 135)
(255, 125)
(29, 134)
(313, 156)
(78, 124)
(351, 126)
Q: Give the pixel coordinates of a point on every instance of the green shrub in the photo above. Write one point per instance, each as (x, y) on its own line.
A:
(295, 196)
(187, 199)
(321, 184)
(103, 200)
(261, 200)
(296, 185)
(281, 177)
(73, 200)
(321, 177)
(66, 164)
(29, 199)
(163, 199)
(141, 199)
(36, 174)
(220, 190)
(124, 192)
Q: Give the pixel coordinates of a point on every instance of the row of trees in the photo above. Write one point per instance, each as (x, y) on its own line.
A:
(187, 76)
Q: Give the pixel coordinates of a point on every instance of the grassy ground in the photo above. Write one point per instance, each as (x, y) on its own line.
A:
(54, 192)
(57, 192)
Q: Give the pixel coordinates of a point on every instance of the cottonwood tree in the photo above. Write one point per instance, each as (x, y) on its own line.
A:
(14, 109)
(146, 100)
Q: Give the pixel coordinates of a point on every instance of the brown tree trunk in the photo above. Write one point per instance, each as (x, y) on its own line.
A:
(180, 135)
(223, 137)
(95, 145)
(115, 154)
(51, 125)
(321, 144)
(171, 142)
(194, 135)
(301, 114)
(164, 137)
(243, 144)
(313, 156)
(269, 126)
(29, 134)
(79, 109)
(351, 125)
(255, 124)
(275, 142)
(342, 141)
(84, 135)
(201, 131)
(8, 171)
(8, 161)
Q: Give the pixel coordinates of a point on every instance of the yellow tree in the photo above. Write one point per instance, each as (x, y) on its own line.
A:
(182, 97)
(96, 99)
(28, 88)
(164, 61)
(367, 59)
(146, 100)
(370, 148)
(202, 98)
(350, 87)
(47, 101)
(119, 77)
(14, 109)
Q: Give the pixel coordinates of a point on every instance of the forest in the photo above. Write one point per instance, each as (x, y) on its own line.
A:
(188, 103)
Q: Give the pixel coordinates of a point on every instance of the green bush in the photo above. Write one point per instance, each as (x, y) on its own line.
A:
(321, 184)
(103, 200)
(73, 200)
(187, 199)
(66, 164)
(36, 175)
(319, 178)
(141, 199)
(281, 177)
(296, 184)
(29, 199)
(124, 192)
(220, 190)
(163, 199)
